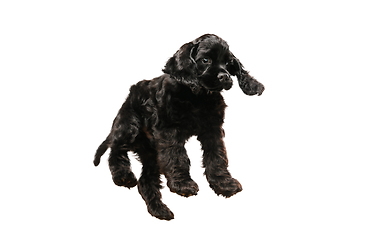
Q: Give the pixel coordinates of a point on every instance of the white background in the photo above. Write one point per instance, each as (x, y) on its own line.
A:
(308, 152)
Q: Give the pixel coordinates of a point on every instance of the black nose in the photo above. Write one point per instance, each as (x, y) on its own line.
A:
(225, 79)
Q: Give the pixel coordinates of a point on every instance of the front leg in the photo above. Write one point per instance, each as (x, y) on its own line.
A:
(174, 164)
(215, 163)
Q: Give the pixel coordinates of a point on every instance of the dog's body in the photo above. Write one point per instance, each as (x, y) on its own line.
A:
(160, 115)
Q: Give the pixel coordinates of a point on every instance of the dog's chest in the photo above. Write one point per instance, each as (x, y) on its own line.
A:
(197, 112)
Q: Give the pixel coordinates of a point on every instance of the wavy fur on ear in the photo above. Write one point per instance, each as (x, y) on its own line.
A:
(247, 83)
(182, 67)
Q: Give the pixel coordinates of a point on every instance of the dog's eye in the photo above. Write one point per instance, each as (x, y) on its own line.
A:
(206, 60)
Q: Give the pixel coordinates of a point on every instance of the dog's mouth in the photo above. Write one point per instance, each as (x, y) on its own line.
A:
(218, 88)
(227, 85)
(218, 85)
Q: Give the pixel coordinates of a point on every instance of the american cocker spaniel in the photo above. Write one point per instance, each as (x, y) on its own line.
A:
(161, 114)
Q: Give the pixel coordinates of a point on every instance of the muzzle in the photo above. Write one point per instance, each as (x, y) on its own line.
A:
(225, 80)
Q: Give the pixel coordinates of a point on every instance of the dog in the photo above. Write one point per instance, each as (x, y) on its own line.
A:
(161, 114)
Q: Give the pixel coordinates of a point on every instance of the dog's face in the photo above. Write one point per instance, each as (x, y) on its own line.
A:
(206, 63)
(212, 60)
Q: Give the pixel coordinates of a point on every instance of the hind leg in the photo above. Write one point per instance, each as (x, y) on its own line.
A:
(149, 184)
(120, 167)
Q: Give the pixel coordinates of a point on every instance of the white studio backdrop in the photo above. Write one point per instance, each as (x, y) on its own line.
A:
(308, 152)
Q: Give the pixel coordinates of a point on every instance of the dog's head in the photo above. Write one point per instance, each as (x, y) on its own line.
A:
(206, 63)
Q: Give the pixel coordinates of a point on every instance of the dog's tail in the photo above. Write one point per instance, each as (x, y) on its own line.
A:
(101, 150)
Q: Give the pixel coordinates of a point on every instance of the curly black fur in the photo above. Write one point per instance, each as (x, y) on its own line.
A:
(161, 114)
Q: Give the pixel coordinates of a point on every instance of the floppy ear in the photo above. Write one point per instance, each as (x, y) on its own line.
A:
(183, 67)
(247, 83)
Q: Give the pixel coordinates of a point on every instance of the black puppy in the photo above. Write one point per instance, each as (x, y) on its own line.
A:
(161, 114)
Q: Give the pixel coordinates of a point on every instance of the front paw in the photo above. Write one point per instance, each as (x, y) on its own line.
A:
(124, 179)
(160, 211)
(185, 188)
(226, 187)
